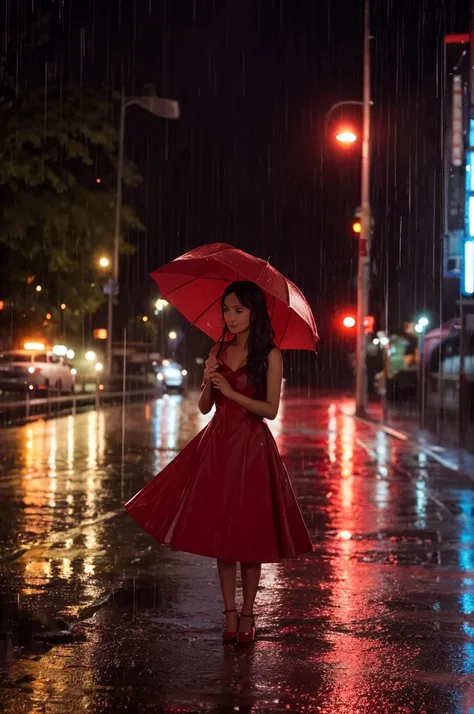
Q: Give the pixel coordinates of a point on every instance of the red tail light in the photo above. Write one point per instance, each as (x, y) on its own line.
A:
(34, 370)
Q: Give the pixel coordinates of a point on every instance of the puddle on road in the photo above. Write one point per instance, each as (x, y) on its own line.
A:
(27, 634)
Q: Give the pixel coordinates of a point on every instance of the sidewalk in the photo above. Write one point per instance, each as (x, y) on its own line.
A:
(439, 438)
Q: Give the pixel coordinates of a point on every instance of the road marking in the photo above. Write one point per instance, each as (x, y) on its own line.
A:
(428, 449)
(366, 448)
(404, 472)
(387, 429)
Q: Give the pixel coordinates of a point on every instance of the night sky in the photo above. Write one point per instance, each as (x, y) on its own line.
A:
(248, 162)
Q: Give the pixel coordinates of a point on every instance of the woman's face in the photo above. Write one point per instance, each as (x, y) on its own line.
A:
(236, 315)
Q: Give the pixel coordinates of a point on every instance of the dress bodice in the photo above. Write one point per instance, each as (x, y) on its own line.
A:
(239, 381)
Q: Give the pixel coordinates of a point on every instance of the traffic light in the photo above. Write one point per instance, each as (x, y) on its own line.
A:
(356, 222)
(349, 322)
(369, 323)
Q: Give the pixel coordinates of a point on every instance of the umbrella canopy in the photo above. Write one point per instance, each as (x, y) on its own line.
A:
(195, 282)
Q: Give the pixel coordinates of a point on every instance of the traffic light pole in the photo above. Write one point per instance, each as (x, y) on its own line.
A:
(364, 242)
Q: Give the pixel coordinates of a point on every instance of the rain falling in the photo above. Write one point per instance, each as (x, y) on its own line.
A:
(237, 356)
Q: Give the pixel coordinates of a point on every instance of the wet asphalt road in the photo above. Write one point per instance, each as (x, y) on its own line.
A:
(379, 619)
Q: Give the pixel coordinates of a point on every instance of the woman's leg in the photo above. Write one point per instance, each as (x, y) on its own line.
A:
(227, 578)
(250, 579)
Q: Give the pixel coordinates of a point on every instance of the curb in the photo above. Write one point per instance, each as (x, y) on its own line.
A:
(409, 438)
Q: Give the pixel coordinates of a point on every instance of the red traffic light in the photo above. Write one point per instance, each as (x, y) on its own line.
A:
(349, 322)
(369, 323)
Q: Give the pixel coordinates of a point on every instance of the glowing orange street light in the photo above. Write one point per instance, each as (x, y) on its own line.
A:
(349, 322)
(357, 227)
(346, 136)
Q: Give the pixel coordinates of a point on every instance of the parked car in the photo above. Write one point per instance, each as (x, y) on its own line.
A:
(170, 375)
(35, 371)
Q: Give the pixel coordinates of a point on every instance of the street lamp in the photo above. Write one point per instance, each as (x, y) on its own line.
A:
(365, 225)
(173, 337)
(160, 304)
(338, 105)
(104, 262)
(166, 109)
(346, 137)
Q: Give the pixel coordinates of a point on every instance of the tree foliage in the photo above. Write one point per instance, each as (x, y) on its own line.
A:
(58, 152)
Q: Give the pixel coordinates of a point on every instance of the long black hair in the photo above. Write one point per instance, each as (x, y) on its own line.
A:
(261, 335)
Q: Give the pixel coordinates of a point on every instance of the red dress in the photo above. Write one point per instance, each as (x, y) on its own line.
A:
(227, 495)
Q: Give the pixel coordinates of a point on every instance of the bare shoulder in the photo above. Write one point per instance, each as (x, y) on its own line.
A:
(274, 357)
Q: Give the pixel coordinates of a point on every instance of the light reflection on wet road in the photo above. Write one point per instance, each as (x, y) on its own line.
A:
(379, 619)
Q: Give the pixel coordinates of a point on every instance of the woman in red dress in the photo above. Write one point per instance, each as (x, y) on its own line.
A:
(227, 495)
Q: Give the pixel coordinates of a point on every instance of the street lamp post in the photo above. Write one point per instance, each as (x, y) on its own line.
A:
(364, 240)
(338, 105)
(166, 109)
(420, 328)
(348, 137)
(160, 305)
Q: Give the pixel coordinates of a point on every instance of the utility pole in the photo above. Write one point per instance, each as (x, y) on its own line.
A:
(366, 227)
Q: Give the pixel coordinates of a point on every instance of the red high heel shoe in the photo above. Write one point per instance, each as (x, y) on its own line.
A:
(246, 638)
(228, 637)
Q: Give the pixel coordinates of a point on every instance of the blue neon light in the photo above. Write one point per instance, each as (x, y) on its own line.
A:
(468, 260)
(467, 282)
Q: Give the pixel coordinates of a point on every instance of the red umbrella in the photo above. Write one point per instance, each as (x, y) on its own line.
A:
(195, 282)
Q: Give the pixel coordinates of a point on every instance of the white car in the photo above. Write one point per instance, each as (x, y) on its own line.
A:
(35, 371)
(170, 375)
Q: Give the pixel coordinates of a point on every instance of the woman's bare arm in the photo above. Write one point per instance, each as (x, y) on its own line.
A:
(206, 399)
